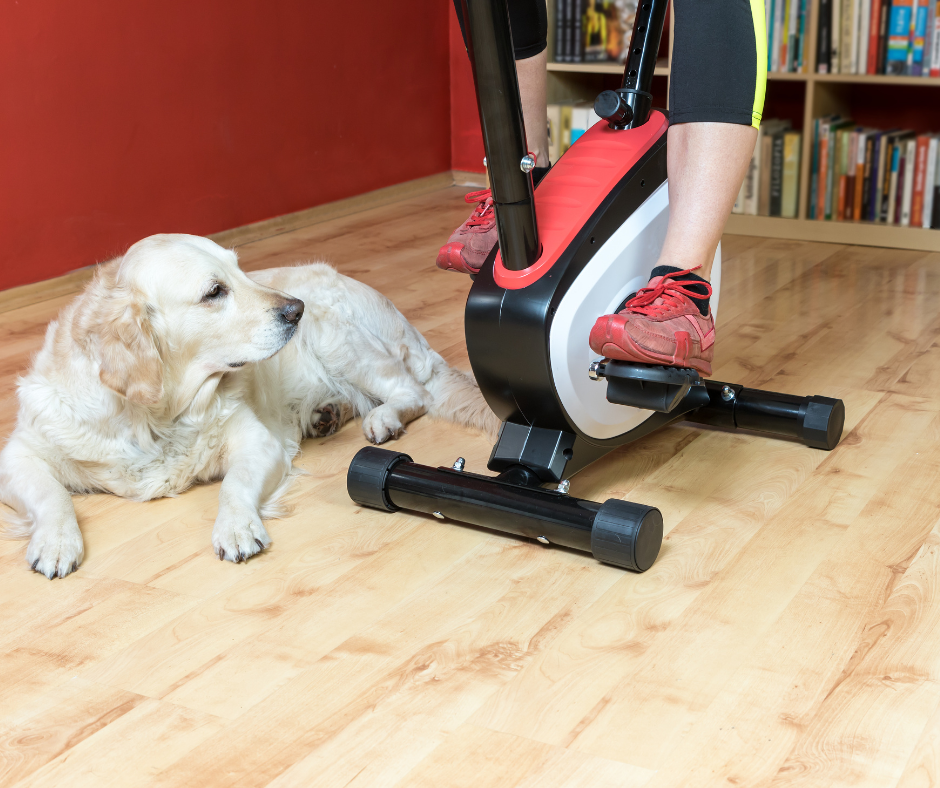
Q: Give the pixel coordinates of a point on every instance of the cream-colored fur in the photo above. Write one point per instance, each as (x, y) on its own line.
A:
(175, 367)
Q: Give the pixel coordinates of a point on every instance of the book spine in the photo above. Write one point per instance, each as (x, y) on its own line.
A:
(930, 181)
(577, 40)
(935, 49)
(928, 37)
(847, 65)
(776, 175)
(832, 175)
(751, 195)
(906, 194)
(918, 36)
(823, 170)
(568, 50)
(559, 31)
(792, 24)
(864, 35)
(890, 173)
(814, 171)
(881, 66)
(857, 10)
(859, 184)
(790, 195)
(867, 168)
(899, 27)
(897, 187)
(835, 57)
(823, 37)
(763, 202)
(871, 66)
(920, 181)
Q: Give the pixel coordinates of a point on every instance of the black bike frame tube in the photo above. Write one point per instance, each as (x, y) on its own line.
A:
(484, 501)
(636, 89)
(489, 45)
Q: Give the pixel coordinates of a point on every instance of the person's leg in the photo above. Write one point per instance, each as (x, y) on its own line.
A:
(707, 163)
(718, 75)
(532, 90)
(472, 242)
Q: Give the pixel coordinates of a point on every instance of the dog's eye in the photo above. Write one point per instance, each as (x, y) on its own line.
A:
(216, 291)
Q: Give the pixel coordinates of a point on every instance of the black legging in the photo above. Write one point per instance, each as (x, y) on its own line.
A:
(719, 65)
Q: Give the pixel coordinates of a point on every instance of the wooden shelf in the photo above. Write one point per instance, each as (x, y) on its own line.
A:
(854, 233)
(662, 68)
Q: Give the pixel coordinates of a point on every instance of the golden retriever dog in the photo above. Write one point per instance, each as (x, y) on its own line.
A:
(175, 367)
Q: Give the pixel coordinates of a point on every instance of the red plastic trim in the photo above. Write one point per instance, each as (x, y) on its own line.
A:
(574, 188)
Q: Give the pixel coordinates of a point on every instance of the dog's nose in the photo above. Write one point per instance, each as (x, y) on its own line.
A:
(292, 311)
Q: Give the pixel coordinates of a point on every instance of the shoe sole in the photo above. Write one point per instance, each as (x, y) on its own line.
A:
(638, 355)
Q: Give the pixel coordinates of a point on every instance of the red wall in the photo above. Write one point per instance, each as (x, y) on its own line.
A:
(466, 134)
(121, 119)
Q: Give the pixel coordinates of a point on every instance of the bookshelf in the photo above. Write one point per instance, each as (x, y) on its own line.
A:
(877, 100)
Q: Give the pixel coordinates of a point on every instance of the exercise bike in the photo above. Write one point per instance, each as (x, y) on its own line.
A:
(569, 252)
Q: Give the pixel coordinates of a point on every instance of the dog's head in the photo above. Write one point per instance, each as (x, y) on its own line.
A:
(179, 305)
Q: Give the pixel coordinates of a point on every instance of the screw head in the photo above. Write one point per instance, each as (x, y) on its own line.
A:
(541, 539)
(438, 515)
(563, 486)
(596, 370)
(727, 393)
(459, 464)
(528, 163)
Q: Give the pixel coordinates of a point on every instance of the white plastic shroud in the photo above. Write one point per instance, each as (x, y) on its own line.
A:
(620, 267)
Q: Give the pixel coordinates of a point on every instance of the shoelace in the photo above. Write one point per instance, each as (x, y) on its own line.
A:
(669, 291)
(480, 216)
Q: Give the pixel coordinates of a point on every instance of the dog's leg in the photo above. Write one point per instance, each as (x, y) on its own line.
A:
(29, 486)
(386, 379)
(256, 463)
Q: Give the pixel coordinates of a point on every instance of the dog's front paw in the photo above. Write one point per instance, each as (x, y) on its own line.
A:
(238, 535)
(381, 424)
(55, 552)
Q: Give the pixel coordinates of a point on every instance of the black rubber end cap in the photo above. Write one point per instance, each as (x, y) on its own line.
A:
(607, 104)
(367, 474)
(626, 534)
(823, 423)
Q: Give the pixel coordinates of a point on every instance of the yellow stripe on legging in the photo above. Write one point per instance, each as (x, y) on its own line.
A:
(760, 35)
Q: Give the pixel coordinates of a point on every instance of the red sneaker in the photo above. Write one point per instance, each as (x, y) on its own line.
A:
(472, 242)
(661, 324)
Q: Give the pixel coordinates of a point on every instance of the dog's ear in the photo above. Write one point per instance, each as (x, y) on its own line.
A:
(114, 323)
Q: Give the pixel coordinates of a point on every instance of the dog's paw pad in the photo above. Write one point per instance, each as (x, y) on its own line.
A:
(329, 421)
(55, 552)
(382, 424)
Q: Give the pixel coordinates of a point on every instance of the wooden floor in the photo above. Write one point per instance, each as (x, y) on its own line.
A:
(789, 633)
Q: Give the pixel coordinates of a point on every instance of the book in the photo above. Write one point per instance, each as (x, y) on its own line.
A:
(864, 30)
(776, 174)
(813, 171)
(835, 54)
(565, 126)
(833, 167)
(916, 217)
(928, 37)
(577, 40)
(554, 132)
(891, 216)
(915, 53)
(824, 36)
(906, 182)
(853, 33)
(605, 27)
(930, 181)
(899, 36)
(874, 21)
(790, 190)
(935, 46)
(868, 167)
(847, 55)
(751, 180)
(859, 186)
(883, 37)
(763, 187)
